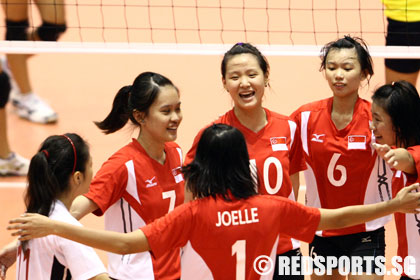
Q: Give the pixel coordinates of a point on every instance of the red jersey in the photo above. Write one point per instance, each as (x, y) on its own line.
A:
(133, 190)
(224, 239)
(343, 168)
(408, 225)
(272, 152)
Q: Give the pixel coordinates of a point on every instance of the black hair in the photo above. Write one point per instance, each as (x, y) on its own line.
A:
(360, 46)
(221, 165)
(139, 96)
(50, 170)
(401, 102)
(240, 48)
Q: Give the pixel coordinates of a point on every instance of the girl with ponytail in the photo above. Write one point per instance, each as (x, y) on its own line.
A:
(59, 172)
(142, 181)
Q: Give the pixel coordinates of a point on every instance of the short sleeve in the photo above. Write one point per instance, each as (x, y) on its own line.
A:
(81, 260)
(191, 153)
(108, 185)
(299, 221)
(415, 153)
(170, 231)
(297, 158)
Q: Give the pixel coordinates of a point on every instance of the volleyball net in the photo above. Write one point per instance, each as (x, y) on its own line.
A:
(210, 27)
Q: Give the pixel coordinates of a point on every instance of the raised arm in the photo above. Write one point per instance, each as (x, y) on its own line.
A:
(31, 226)
(398, 158)
(82, 206)
(406, 201)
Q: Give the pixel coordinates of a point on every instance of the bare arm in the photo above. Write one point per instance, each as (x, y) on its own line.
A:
(295, 184)
(102, 276)
(31, 226)
(399, 158)
(405, 201)
(82, 206)
(8, 256)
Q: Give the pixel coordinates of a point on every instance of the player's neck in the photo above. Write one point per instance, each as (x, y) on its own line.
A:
(67, 199)
(153, 148)
(342, 110)
(254, 119)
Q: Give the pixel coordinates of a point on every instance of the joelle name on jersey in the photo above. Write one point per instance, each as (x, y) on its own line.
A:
(237, 217)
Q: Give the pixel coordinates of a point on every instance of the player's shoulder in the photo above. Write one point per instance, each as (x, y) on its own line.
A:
(363, 109)
(315, 106)
(172, 145)
(277, 116)
(60, 213)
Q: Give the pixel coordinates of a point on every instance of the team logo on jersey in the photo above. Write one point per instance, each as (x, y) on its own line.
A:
(150, 183)
(317, 138)
(177, 174)
(356, 142)
(278, 143)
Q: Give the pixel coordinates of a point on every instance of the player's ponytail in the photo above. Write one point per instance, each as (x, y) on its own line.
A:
(119, 114)
(140, 96)
(58, 158)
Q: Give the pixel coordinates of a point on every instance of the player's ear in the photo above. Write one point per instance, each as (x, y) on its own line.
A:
(139, 116)
(224, 83)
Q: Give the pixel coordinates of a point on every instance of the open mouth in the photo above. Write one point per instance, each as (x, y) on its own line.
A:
(247, 95)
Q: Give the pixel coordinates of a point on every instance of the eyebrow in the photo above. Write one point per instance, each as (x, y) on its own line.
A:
(169, 105)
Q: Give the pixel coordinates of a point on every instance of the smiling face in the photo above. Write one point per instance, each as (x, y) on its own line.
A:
(343, 72)
(164, 116)
(245, 81)
(382, 126)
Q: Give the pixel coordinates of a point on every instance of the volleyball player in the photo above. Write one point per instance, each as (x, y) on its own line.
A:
(396, 123)
(343, 168)
(270, 137)
(141, 181)
(228, 227)
(403, 29)
(11, 163)
(58, 172)
(28, 104)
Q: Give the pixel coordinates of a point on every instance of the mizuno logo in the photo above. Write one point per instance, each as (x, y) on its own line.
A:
(150, 183)
(317, 137)
(366, 239)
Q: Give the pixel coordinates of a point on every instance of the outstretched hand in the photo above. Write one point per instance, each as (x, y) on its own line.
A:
(398, 158)
(409, 199)
(30, 226)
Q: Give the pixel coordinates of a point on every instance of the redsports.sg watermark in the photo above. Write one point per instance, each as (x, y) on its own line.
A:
(320, 265)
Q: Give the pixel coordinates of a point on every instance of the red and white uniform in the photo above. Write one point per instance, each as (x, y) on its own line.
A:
(133, 190)
(272, 151)
(343, 168)
(222, 239)
(53, 257)
(408, 225)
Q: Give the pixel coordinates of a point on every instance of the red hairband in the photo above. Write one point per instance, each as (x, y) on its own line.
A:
(46, 153)
(74, 152)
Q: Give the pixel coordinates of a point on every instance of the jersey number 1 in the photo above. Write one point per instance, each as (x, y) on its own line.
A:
(238, 249)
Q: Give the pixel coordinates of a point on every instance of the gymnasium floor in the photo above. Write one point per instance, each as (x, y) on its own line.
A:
(81, 88)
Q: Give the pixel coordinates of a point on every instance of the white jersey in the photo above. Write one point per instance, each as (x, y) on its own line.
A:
(53, 257)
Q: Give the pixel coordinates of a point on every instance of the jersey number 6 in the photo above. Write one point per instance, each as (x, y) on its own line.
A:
(334, 166)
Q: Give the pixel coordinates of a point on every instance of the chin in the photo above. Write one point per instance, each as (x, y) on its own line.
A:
(171, 138)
